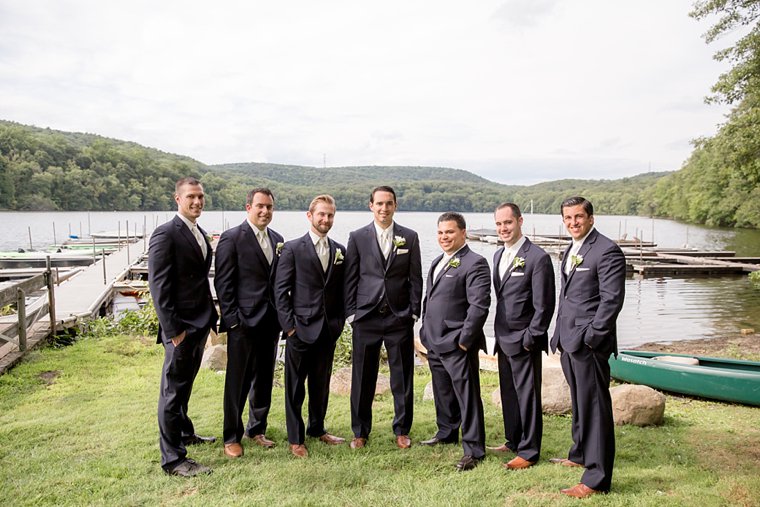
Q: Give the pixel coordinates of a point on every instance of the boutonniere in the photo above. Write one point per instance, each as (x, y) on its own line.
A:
(575, 261)
(338, 257)
(278, 248)
(454, 262)
(209, 237)
(399, 241)
(518, 262)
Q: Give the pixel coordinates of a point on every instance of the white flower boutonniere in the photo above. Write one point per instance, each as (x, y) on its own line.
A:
(518, 262)
(338, 257)
(210, 237)
(278, 248)
(575, 261)
(454, 262)
(399, 241)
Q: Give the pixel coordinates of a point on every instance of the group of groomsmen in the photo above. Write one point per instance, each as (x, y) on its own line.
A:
(308, 287)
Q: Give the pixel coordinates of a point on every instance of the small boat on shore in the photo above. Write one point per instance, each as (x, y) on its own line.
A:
(707, 377)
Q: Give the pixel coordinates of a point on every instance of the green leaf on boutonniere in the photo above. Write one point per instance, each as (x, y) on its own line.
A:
(518, 262)
(399, 241)
(454, 262)
(575, 261)
(278, 248)
(338, 257)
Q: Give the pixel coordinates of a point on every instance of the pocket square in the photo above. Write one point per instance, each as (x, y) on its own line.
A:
(518, 274)
(582, 269)
(402, 251)
(449, 276)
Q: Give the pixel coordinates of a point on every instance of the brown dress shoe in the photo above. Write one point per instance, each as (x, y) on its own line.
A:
(358, 443)
(518, 463)
(403, 441)
(501, 448)
(233, 450)
(262, 440)
(331, 439)
(299, 451)
(564, 462)
(580, 490)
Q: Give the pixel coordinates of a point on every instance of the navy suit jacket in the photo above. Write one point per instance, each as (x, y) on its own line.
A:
(525, 301)
(456, 304)
(243, 278)
(307, 298)
(369, 278)
(591, 297)
(178, 280)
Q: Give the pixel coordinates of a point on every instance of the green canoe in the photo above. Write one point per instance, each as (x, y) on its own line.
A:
(708, 377)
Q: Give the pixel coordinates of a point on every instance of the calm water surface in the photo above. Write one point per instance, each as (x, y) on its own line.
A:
(655, 309)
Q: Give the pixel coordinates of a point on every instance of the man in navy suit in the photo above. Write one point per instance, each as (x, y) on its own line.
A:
(523, 280)
(246, 263)
(591, 297)
(455, 310)
(178, 264)
(310, 307)
(383, 296)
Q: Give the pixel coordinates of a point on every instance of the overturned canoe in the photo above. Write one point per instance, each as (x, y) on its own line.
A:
(707, 377)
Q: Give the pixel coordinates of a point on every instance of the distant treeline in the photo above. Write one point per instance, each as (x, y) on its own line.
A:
(43, 169)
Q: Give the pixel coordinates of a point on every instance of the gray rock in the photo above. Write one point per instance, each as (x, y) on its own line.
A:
(215, 358)
(555, 393)
(637, 405)
(216, 339)
(340, 383)
(496, 397)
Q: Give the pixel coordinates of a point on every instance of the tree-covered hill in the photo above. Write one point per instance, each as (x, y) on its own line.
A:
(44, 169)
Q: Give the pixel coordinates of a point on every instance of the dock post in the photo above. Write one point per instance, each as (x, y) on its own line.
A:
(105, 279)
(21, 303)
(31, 247)
(127, 227)
(51, 294)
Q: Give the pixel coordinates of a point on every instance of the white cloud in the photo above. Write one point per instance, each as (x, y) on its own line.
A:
(553, 87)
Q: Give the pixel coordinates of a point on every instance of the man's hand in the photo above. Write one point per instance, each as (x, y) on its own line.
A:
(179, 339)
(291, 332)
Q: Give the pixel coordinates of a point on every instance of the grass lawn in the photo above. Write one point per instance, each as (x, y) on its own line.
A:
(78, 427)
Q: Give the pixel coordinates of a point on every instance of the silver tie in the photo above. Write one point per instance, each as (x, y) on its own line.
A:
(264, 243)
(199, 238)
(323, 252)
(506, 262)
(385, 243)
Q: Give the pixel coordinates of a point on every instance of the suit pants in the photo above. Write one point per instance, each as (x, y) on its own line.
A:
(251, 354)
(181, 365)
(369, 334)
(456, 389)
(313, 361)
(588, 374)
(520, 388)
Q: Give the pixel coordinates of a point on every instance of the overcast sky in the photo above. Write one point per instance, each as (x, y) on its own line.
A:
(518, 91)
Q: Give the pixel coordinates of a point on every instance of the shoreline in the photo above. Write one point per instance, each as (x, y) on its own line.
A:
(734, 346)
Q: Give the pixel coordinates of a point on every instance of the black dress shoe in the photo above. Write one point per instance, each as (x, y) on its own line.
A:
(188, 468)
(468, 463)
(197, 439)
(436, 441)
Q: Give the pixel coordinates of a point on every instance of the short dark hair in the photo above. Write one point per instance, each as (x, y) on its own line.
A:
(453, 216)
(382, 188)
(514, 207)
(187, 180)
(259, 190)
(575, 201)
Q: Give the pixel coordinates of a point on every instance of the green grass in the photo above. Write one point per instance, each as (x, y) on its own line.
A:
(78, 427)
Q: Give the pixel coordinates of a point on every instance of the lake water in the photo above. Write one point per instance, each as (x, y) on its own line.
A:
(655, 309)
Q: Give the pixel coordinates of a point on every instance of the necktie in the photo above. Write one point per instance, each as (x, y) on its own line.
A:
(199, 238)
(569, 261)
(385, 242)
(323, 252)
(440, 267)
(264, 243)
(505, 263)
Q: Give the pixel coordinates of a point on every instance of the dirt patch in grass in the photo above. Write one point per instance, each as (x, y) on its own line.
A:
(48, 377)
(735, 347)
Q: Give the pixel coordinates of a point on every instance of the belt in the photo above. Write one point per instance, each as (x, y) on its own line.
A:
(383, 308)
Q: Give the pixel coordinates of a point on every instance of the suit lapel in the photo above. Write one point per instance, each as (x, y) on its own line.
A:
(496, 262)
(253, 243)
(394, 248)
(273, 245)
(523, 252)
(590, 239)
(184, 231)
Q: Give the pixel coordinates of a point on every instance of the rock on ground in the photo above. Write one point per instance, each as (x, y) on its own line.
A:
(340, 383)
(637, 405)
(215, 358)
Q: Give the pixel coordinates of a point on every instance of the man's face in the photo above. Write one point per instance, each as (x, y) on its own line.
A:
(383, 207)
(321, 218)
(190, 199)
(577, 221)
(450, 236)
(508, 227)
(260, 210)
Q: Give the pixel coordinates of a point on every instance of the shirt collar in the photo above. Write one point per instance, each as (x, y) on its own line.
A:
(255, 229)
(516, 247)
(379, 230)
(314, 237)
(577, 244)
(186, 220)
(446, 256)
